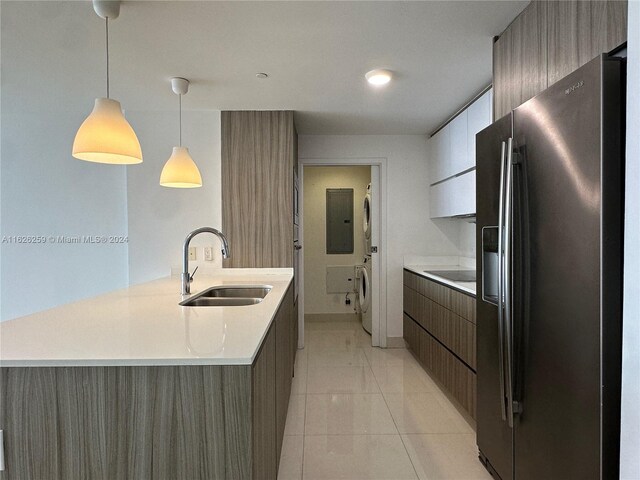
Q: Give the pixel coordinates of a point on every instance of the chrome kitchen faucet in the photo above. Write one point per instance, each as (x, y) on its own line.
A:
(187, 278)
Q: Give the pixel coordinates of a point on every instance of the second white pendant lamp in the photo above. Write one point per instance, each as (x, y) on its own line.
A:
(180, 171)
(105, 136)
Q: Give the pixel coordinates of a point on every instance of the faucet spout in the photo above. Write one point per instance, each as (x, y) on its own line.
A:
(186, 277)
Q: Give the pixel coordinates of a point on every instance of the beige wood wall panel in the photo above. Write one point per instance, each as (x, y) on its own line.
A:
(264, 410)
(258, 157)
(239, 195)
(278, 188)
(126, 422)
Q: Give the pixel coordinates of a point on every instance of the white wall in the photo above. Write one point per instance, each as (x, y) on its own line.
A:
(316, 260)
(160, 217)
(44, 191)
(409, 229)
(630, 437)
(466, 242)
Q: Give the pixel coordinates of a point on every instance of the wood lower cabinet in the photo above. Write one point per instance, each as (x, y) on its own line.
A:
(284, 366)
(264, 406)
(439, 327)
(454, 375)
(411, 333)
(150, 422)
(294, 334)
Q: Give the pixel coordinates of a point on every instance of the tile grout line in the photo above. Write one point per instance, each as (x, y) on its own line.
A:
(415, 470)
(304, 424)
(384, 398)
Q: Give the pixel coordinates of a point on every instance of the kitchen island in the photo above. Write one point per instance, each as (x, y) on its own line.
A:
(132, 385)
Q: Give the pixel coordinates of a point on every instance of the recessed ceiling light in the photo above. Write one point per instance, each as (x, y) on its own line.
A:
(262, 75)
(378, 77)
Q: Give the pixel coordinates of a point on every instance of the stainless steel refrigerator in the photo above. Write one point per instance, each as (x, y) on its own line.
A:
(549, 242)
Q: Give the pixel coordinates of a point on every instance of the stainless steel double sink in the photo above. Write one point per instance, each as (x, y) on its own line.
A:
(228, 296)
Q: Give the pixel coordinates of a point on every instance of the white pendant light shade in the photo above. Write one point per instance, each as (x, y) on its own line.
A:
(106, 136)
(180, 171)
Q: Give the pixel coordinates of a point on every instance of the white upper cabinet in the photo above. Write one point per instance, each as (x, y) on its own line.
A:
(458, 140)
(440, 155)
(478, 118)
(453, 151)
(455, 197)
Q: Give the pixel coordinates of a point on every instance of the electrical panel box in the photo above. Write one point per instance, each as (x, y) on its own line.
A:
(340, 278)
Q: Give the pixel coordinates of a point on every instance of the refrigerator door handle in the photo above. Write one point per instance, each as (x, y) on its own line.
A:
(503, 402)
(507, 285)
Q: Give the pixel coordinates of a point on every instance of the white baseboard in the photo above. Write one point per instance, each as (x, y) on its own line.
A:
(395, 342)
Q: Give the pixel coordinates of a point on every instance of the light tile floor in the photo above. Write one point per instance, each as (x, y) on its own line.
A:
(359, 412)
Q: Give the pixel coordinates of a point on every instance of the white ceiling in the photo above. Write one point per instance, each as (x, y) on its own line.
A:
(316, 54)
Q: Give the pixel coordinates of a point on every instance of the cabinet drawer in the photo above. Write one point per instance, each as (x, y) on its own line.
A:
(458, 302)
(456, 333)
(459, 380)
(410, 333)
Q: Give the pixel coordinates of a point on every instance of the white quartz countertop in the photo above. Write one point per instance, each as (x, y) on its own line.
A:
(465, 287)
(144, 325)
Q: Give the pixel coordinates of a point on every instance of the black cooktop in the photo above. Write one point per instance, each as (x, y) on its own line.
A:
(455, 275)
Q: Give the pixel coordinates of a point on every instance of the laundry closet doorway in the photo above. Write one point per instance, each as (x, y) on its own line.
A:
(320, 271)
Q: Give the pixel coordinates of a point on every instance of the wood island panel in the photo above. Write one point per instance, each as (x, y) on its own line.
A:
(150, 422)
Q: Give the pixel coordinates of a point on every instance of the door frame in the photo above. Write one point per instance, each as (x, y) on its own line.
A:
(378, 238)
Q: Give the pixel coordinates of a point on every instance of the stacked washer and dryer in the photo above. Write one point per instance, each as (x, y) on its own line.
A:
(364, 296)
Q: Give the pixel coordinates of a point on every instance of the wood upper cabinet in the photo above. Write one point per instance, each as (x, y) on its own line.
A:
(520, 59)
(259, 154)
(578, 31)
(549, 40)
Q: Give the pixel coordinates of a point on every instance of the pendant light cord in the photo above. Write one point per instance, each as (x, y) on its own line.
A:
(107, 42)
(180, 116)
